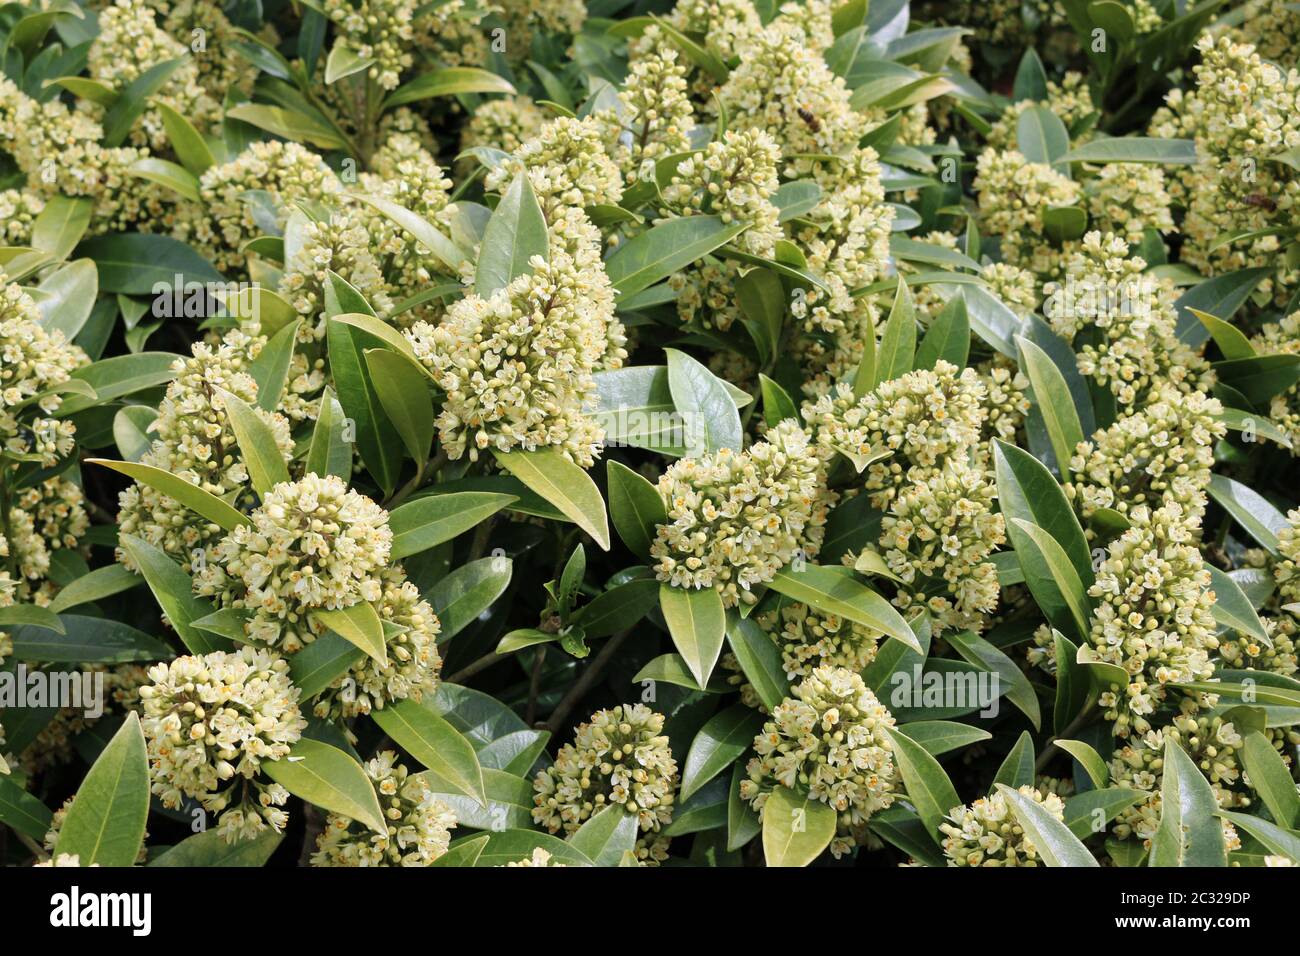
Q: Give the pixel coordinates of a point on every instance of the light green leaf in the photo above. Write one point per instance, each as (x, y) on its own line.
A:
(1135, 149)
(330, 779)
(711, 419)
(271, 367)
(1054, 402)
(841, 594)
(1275, 839)
(759, 658)
(562, 483)
(1188, 834)
(105, 824)
(201, 502)
(329, 453)
(436, 744)
(1055, 844)
(515, 233)
(897, 350)
(467, 592)
(1271, 779)
(427, 522)
(210, 848)
(697, 623)
(665, 249)
(174, 591)
(404, 393)
(1089, 759)
(98, 584)
(606, 836)
(451, 81)
(262, 456)
(1250, 510)
(359, 625)
(722, 739)
(635, 506)
(928, 787)
(1051, 578)
(796, 829)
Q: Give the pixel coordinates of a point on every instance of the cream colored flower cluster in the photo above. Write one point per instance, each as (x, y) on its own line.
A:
(517, 366)
(1007, 398)
(1283, 337)
(987, 833)
(380, 31)
(1012, 194)
(828, 740)
(539, 857)
(938, 536)
(130, 43)
(568, 165)
(736, 518)
(196, 443)
(621, 758)
(730, 25)
(413, 663)
(211, 719)
(288, 173)
(312, 544)
(18, 210)
(733, 178)
(419, 825)
(1153, 614)
(1158, 454)
(1214, 744)
(58, 151)
(659, 115)
(1070, 100)
(926, 418)
(1127, 199)
(505, 123)
(338, 242)
(1105, 288)
(1287, 570)
(34, 364)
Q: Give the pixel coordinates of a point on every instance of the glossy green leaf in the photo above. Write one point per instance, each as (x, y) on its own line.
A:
(841, 594)
(435, 743)
(561, 482)
(1055, 844)
(515, 233)
(105, 824)
(796, 829)
(1188, 834)
(928, 787)
(330, 779)
(427, 522)
(697, 623)
(635, 507)
(723, 738)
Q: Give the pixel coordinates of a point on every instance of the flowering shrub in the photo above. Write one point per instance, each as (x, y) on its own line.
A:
(623, 434)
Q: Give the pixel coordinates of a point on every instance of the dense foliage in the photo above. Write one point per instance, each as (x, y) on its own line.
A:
(936, 367)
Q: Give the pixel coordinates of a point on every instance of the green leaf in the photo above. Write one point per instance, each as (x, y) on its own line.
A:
(742, 821)
(1135, 149)
(777, 403)
(897, 348)
(618, 608)
(295, 126)
(948, 338)
(720, 741)
(561, 482)
(515, 233)
(711, 419)
(760, 660)
(271, 367)
(1082, 814)
(60, 225)
(377, 440)
(330, 779)
(665, 249)
(135, 263)
(761, 298)
(131, 102)
(436, 744)
(1073, 684)
(841, 594)
(635, 507)
(928, 787)
(87, 640)
(359, 625)
(1041, 137)
(1260, 377)
(322, 662)
(210, 848)
(344, 62)
(266, 467)
(131, 431)
(796, 829)
(1220, 296)
(1054, 402)
(1188, 834)
(697, 623)
(1017, 769)
(1055, 844)
(1031, 79)
(20, 811)
(201, 502)
(1250, 510)
(511, 846)
(1230, 339)
(1271, 779)
(1232, 609)
(98, 584)
(451, 81)
(1275, 839)
(32, 614)
(1051, 578)
(1089, 759)
(467, 592)
(1026, 489)
(942, 736)
(438, 245)
(169, 175)
(228, 622)
(329, 453)
(186, 142)
(606, 836)
(427, 522)
(404, 393)
(174, 591)
(980, 652)
(105, 824)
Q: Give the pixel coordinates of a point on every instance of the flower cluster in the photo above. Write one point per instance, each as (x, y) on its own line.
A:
(829, 740)
(937, 538)
(379, 32)
(312, 544)
(620, 757)
(195, 442)
(215, 718)
(1013, 192)
(923, 420)
(987, 833)
(418, 830)
(736, 518)
(1153, 613)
